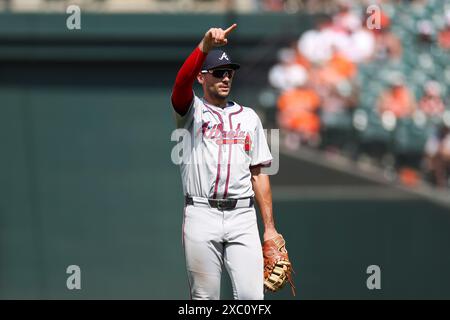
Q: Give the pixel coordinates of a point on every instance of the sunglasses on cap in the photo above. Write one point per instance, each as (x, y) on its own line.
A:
(220, 73)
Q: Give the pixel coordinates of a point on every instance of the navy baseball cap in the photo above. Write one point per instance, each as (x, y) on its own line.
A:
(219, 58)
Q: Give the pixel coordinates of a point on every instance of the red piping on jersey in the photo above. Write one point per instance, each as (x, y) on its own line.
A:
(229, 155)
(216, 186)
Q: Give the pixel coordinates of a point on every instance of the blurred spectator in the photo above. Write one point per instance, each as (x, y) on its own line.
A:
(288, 73)
(437, 151)
(346, 18)
(298, 111)
(397, 98)
(336, 70)
(360, 42)
(361, 45)
(273, 5)
(342, 66)
(387, 44)
(337, 99)
(343, 33)
(444, 35)
(408, 176)
(317, 45)
(431, 102)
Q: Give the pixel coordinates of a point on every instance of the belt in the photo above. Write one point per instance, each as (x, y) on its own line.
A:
(221, 204)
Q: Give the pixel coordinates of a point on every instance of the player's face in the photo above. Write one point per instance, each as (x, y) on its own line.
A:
(217, 82)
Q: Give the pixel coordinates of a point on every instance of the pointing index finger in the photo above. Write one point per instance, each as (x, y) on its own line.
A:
(231, 28)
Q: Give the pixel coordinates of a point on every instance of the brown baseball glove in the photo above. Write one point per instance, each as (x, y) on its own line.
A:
(277, 267)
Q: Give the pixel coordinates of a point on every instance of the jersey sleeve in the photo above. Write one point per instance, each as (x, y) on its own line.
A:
(182, 93)
(260, 153)
(184, 121)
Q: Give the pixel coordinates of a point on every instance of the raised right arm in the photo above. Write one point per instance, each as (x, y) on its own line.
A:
(182, 93)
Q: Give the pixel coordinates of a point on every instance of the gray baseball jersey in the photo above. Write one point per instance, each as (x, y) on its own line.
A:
(224, 144)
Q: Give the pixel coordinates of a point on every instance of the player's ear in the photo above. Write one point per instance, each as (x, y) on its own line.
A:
(200, 78)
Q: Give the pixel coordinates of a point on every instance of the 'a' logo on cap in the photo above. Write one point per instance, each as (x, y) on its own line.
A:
(224, 55)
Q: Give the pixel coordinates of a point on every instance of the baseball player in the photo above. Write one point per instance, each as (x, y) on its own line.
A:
(222, 178)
